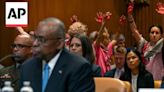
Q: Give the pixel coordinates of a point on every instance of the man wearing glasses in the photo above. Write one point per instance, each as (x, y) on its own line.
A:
(21, 49)
(54, 68)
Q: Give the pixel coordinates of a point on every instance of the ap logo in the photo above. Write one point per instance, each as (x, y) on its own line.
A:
(16, 14)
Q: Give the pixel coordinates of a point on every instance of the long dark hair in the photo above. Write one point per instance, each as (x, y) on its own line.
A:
(141, 66)
(158, 26)
(86, 47)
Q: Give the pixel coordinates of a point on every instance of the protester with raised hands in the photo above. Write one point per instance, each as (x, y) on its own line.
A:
(160, 8)
(103, 45)
(151, 51)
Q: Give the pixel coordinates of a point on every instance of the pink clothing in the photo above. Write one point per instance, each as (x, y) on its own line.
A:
(154, 63)
(155, 66)
(102, 56)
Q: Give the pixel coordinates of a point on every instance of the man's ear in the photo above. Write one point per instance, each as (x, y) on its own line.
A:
(31, 50)
(60, 44)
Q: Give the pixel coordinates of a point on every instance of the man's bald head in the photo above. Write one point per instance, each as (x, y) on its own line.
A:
(26, 38)
(22, 47)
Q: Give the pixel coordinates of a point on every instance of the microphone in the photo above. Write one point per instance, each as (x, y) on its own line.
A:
(7, 56)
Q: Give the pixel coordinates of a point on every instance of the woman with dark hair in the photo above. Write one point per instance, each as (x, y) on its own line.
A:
(151, 50)
(135, 72)
(81, 45)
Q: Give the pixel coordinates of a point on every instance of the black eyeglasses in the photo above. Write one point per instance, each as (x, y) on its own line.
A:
(42, 39)
(19, 46)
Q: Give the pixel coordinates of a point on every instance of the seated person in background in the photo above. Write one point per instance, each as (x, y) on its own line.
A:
(121, 41)
(136, 73)
(76, 27)
(119, 59)
(81, 45)
(21, 51)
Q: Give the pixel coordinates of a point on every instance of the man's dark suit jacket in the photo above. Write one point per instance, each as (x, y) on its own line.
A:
(145, 80)
(110, 73)
(70, 74)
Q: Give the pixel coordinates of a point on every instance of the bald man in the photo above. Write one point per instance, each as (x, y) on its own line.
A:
(22, 48)
(22, 51)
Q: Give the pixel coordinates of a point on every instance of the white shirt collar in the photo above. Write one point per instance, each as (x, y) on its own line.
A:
(118, 72)
(52, 62)
(122, 69)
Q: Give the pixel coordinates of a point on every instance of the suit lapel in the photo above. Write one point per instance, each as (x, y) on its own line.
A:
(57, 72)
(38, 75)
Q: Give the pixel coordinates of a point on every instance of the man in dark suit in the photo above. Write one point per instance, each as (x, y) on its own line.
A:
(119, 57)
(21, 51)
(66, 72)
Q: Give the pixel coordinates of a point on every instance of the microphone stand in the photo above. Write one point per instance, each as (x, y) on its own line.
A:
(7, 56)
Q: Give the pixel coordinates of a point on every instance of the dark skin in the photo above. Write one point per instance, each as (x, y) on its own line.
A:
(51, 45)
(22, 48)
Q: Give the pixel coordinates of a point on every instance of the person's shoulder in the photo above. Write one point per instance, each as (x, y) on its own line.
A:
(78, 60)
(110, 73)
(73, 57)
(147, 74)
(29, 62)
(74, 60)
(95, 66)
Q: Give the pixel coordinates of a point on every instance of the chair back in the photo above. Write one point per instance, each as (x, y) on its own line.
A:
(157, 83)
(128, 86)
(104, 84)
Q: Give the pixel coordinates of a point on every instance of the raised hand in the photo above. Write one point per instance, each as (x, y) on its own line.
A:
(74, 19)
(122, 20)
(101, 18)
(107, 15)
(130, 8)
(21, 31)
(160, 8)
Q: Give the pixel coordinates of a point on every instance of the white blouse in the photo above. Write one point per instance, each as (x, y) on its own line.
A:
(134, 82)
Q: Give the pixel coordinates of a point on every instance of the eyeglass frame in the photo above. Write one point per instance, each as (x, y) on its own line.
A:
(42, 39)
(20, 46)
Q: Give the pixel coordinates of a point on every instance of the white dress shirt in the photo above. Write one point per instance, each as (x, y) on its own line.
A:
(51, 63)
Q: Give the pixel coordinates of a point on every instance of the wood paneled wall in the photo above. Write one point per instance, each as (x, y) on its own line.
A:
(86, 12)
